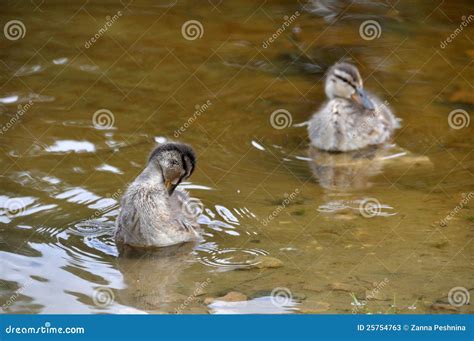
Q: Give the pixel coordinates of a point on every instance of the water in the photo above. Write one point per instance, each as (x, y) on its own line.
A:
(342, 226)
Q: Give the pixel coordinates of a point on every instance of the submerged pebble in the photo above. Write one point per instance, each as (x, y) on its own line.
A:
(443, 306)
(232, 296)
(315, 307)
(462, 96)
(266, 262)
(378, 295)
(337, 286)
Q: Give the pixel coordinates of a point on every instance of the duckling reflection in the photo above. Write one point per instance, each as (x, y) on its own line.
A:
(352, 118)
(346, 171)
(354, 170)
(153, 213)
(153, 277)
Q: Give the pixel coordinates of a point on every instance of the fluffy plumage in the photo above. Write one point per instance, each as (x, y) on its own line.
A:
(351, 119)
(153, 213)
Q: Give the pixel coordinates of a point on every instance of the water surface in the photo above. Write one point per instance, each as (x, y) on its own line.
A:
(63, 169)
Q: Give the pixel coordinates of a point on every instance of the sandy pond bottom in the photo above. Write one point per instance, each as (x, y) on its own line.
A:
(285, 232)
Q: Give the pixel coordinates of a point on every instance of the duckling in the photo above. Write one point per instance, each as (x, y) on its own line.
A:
(153, 212)
(352, 119)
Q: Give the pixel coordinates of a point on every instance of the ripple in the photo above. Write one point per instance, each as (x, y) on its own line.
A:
(25, 98)
(109, 168)
(78, 195)
(27, 70)
(9, 99)
(214, 224)
(60, 61)
(14, 207)
(231, 258)
(226, 214)
(96, 234)
(258, 65)
(75, 123)
(257, 145)
(92, 228)
(258, 305)
(64, 146)
(244, 212)
(335, 206)
(89, 68)
(36, 180)
(189, 186)
(49, 231)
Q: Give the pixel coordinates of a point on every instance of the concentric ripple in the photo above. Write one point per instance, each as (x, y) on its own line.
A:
(231, 258)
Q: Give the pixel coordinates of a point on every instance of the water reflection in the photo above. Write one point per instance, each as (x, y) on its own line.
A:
(68, 174)
(345, 171)
(356, 170)
(153, 278)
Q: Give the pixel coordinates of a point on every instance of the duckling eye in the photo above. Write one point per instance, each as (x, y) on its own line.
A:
(174, 162)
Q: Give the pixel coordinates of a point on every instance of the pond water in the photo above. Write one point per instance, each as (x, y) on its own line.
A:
(388, 232)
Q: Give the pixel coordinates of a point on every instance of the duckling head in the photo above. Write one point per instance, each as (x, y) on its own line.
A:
(344, 81)
(175, 161)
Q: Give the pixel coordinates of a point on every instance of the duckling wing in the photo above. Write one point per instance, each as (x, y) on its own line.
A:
(127, 222)
(324, 127)
(385, 113)
(185, 209)
(342, 126)
(339, 126)
(382, 121)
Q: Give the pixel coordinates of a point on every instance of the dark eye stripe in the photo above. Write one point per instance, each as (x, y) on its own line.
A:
(185, 170)
(344, 80)
(184, 164)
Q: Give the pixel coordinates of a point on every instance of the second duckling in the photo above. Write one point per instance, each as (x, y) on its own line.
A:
(351, 119)
(153, 212)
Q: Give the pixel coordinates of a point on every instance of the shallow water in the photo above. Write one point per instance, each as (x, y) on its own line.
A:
(64, 169)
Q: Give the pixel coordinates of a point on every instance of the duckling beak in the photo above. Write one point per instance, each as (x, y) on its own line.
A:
(170, 187)
(360, 96)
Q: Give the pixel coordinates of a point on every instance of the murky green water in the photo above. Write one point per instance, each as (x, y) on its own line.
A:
(61, 175)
